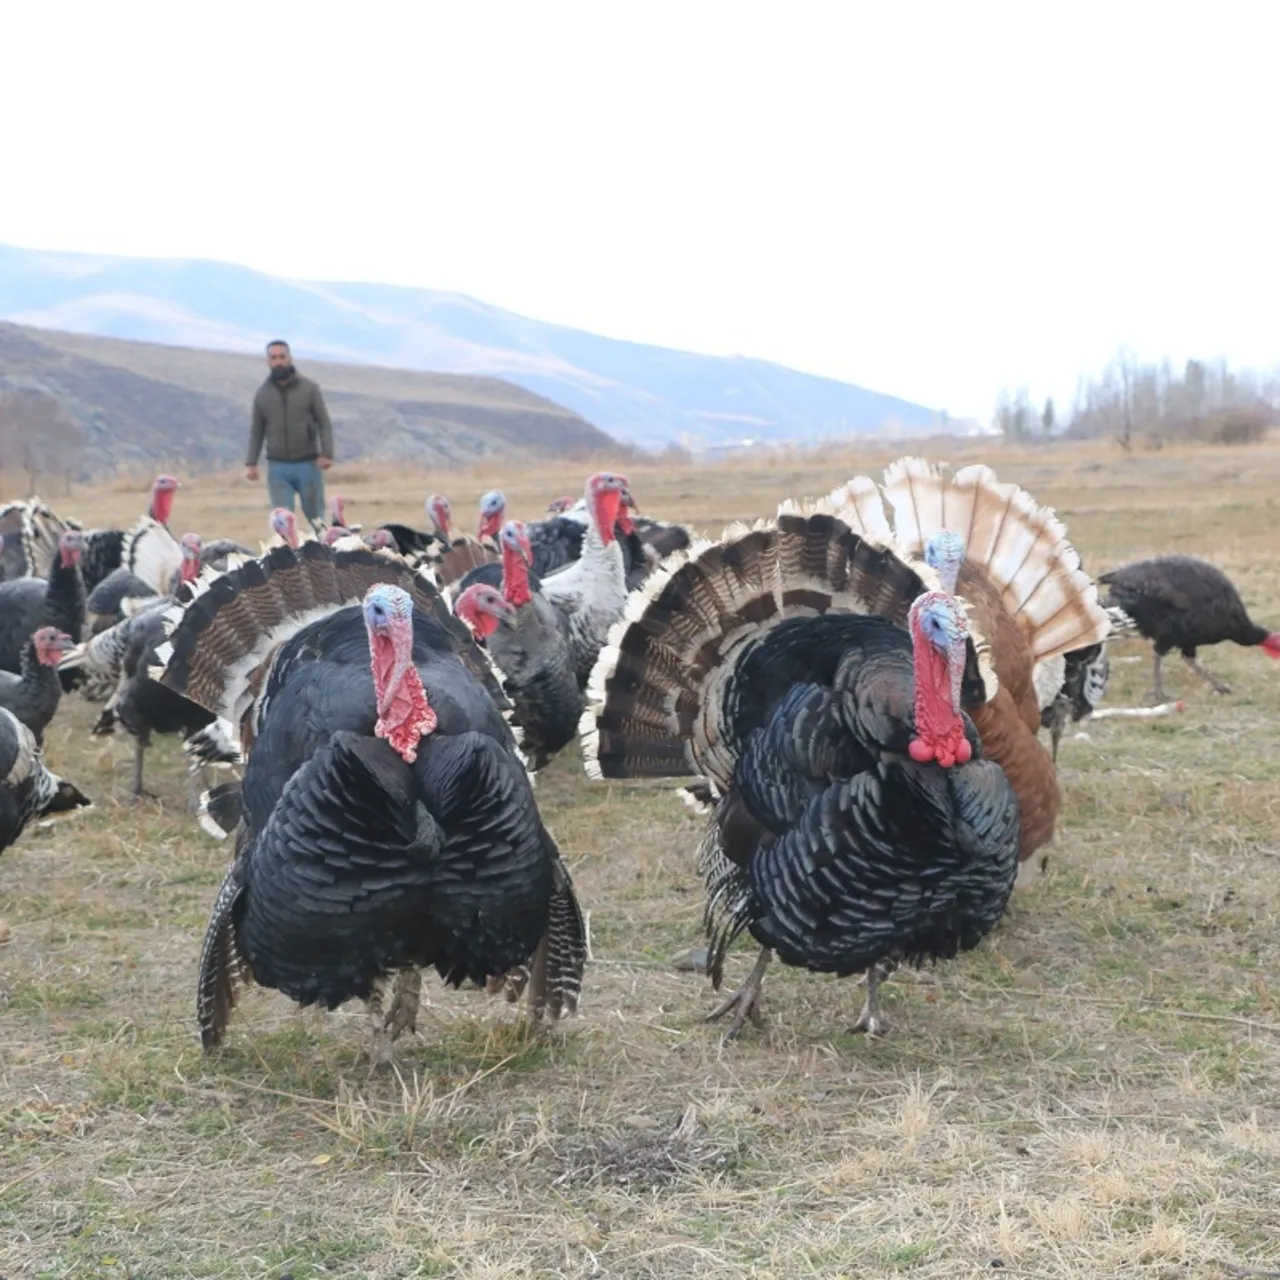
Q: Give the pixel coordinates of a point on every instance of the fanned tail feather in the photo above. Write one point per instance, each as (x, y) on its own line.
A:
(222, 968)
(1016, 546)
(220, 637)
(655, 694)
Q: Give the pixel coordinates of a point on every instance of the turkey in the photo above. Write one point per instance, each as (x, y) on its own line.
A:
(94, 668)
(592, 591)
(529, 642)
(28, 789)
(1009, 560)
(449, 557)
(107, 601)
(817, 683)
(33, 696)
(141, 705)
(1181, 603)
(660, 538)
(27, 604)
(558, 542)
(387, 822)
(150, 551)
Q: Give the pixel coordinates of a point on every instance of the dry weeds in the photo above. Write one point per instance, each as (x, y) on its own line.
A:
(1093, 1093)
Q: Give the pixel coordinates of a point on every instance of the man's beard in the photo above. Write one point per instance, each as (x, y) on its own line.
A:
(282, 372)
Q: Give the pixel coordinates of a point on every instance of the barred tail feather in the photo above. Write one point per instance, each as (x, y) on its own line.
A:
(219, 637)
(655, 698)
(222, 968)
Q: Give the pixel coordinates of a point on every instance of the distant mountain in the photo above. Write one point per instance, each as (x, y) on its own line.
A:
(640, 394)
(143, 404)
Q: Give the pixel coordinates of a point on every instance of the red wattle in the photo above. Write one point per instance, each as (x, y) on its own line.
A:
(920, 751)
(964, 752)
(515, 579)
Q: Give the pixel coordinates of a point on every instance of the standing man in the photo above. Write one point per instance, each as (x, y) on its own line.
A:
(289, 414)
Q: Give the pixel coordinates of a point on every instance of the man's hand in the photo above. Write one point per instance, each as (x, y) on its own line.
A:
(251, 473)
(324, 463)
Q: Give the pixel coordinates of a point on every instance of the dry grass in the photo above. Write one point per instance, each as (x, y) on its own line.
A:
(1093, 1093)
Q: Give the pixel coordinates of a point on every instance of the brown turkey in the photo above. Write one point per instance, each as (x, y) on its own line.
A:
(1181, 603)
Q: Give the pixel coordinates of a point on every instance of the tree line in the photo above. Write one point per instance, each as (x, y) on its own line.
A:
(1128, 400)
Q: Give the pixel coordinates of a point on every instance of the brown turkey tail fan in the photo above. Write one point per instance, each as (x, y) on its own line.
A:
(1017, 548)
(464, 553)
(656, 692)
(220, 639)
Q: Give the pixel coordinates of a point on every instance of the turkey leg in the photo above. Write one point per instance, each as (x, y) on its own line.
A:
(138, 791)
(405, 1001)
(1205, 674)
(871, 1020)
(380, 1049)
(745, 1002)
(1157, 693)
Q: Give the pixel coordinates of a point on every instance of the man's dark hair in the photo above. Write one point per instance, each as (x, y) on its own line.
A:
(278, 342)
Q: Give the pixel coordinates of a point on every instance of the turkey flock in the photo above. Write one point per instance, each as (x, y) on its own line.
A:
(852, 693)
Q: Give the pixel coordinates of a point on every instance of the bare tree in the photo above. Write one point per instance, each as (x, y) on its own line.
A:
(38, 436)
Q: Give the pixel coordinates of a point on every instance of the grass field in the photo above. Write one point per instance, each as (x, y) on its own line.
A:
(1094, 1092)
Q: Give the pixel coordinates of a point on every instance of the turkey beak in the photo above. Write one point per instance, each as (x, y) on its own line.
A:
(957, 655)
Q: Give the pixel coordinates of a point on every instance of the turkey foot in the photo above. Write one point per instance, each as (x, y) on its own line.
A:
(871, 1020)
(405, 1000)
(745, 1002)
(1207, 676)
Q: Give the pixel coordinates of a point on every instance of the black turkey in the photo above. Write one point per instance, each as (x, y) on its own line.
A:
(386, 820)
(856, 823)
(28, 789)
(141, 705)
(529, 641)
(33, 696)
(1181, 603)
(28, 604)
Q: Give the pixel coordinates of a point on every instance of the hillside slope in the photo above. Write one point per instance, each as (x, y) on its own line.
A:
(145, 403)
(642, 394)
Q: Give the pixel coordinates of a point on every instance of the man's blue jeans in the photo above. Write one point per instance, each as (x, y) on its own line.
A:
(284, 479)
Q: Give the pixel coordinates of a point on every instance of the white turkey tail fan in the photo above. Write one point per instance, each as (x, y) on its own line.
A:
(152, 553)
(1017, 547)
(657, 694)
(859, 504)
(221, 639)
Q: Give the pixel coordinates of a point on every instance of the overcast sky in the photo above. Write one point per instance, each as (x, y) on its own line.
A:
(934, 200)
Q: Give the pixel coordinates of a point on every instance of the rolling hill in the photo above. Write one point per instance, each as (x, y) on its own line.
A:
(640, 394)
(143, 403)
